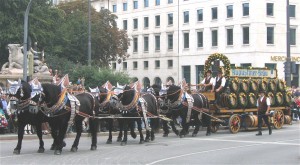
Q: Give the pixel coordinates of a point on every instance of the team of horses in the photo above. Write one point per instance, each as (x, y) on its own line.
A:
(35, 103)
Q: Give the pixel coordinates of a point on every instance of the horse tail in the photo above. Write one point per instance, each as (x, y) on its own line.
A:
(154, 123)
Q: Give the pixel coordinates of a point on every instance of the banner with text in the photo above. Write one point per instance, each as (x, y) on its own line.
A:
(268, 73)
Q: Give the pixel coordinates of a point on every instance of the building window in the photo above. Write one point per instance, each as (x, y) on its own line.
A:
(135, 64)
(214, 13)
(114, 66)
(245, 9)
(186, 73)
(170, 19)
(270, 35)
(245, 65)
(229, 11)
(114, 8)
(170, 1)
(292, 36)
(135, 44)
(200, 39)
(157, 20)
(186, 40)
(146, 64)
(157, 42)
(214, 38)
(292, 11)
(186, 17)
(125, 24)
(124, 65)
(246, 38)
(124, 6)
(170, 41)
(271, 66)
(157, 64)
(270, 9)
(146, 43)
(200, 15)
(146, 22)
(229, 36)
(135, 4)
(170, 63)
(135, 23)
(157, 2)
(146, 3)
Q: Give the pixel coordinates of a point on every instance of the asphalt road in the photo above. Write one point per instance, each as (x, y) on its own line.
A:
(282, 147)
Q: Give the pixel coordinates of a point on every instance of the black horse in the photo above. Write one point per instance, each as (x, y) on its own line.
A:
(134, 107)
(19, 98)
(177, 100)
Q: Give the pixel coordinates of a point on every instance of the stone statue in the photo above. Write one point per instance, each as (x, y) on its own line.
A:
(15, 58)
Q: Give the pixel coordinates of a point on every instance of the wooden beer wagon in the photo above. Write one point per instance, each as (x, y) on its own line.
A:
(237, 105)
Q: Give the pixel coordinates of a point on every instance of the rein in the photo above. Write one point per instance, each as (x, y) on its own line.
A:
(132, 104)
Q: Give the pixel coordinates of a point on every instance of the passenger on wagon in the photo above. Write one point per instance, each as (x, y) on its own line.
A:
(207, 82)
(219, 86)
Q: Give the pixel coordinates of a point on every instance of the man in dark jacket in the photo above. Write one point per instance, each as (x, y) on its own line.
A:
(219, 86)
(263, 109)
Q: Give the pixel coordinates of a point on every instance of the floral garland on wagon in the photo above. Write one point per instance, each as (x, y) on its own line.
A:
(221, 57)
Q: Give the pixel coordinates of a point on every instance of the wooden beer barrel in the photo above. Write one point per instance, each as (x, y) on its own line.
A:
(287, 97)
(245, 86)
(281, 85)
(251, 121)
(234, 85)
(272, 86)
(279, 99)
(242, 100)
(252, 100)
(230, 100)
(263, 85)
(287, 119)
(253, 85)
(272, 99)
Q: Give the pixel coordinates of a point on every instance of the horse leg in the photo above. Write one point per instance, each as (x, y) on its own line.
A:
(185, 127)
(197, 126)
(40, 135)
(121, 127)
(61, 135)
(93, 129)
(165, 128)
(139, 124)
(208, 120)
(125, 127)
(21, 127)
(78, 125)
(147, 138)
(110, 128)
(132, 127)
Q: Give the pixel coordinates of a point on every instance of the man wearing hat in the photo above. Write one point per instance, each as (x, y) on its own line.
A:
(263, 108)
(207, 82)
(218, 85)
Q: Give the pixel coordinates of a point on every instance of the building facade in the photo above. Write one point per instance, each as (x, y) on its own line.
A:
(171, 39)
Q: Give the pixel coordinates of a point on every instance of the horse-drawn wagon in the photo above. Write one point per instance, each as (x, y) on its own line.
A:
(236, 107)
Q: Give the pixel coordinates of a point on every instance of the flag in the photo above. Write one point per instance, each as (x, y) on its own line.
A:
(107, 86)
(64, 83)
(183, 84)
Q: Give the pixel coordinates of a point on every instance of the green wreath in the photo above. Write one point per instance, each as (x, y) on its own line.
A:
(218, 56)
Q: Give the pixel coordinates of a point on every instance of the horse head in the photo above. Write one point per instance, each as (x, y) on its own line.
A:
(170, 97)
(19, 93)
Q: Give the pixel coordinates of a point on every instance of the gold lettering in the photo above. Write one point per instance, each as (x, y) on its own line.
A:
(273, 58)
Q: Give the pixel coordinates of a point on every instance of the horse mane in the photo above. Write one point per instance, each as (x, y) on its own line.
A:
(52, 93)
(173, 92)
(26, 90)
(128, 95)
(156, 88)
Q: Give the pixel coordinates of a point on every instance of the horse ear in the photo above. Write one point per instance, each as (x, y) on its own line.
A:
(10, 82)
(90, 89)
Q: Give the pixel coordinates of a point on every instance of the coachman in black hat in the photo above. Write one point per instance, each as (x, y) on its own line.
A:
(219, 85)
(263, 109)
(207, 82)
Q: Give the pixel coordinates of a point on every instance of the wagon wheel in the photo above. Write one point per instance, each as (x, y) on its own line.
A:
(234, 124)
(214, 127)
(278, 119)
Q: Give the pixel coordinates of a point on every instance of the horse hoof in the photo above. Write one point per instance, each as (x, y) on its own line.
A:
(147, 140)
(108, 142)
(119, 139)
(52, 147)
(74, 149)
(165, 135)
(207, 134)
(93, 148)
(194, 135)
(57, 152)
(142, 142)
(41, 150)
(123, 143)
(152, 138)
(177, 133)
(133, 135)
(17, 151)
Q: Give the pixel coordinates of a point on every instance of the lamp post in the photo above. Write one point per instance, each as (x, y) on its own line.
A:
(25, 41)
(89, 33)
(288, 46)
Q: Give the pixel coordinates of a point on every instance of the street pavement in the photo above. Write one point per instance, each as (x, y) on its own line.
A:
(282, 147)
